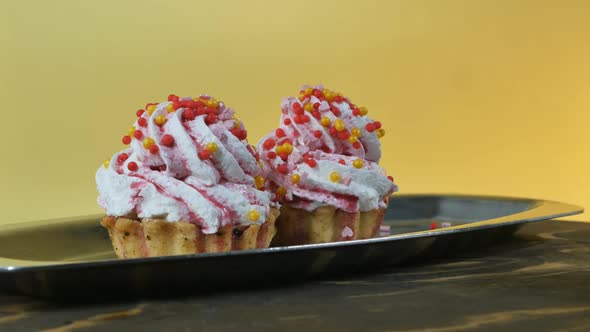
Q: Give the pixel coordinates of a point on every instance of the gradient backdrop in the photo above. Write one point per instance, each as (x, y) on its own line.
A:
(483, 97)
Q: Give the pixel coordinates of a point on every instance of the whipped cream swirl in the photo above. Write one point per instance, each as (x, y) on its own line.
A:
(326, 152)
(187, 160)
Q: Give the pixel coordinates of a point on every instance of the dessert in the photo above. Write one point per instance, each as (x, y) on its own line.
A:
(188, 182)
(322, 164)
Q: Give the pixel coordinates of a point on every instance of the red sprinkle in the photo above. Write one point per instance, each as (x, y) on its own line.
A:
(370, 127)
(287, 121)
(433, 225)
(338, 99)
(139, 113)
(282, 168)
(356, 112)
(335, 110)
(298, 109)
(271, 155)
(189, 114)
(356, 145)
(345, 134)
(243, 135)
(132, 166)
(284, 156)
(211, 118)
(298, 119)
(126, 140)
(305, 118)
(390, 178)
(154, 149)
(138, 134)
(167, 140)
(311, 163)
(237, 132)
(122, 157)
(317, 93)
(280, 133)
(316, 106)
(200, 103)
(341, 161)
(189, 103)
(172, 97)
(204, 154)
(333, 131)
(201, 110)
(317, 134)
(269, 144)
(316, 114)
(377, 125)
(142, 122)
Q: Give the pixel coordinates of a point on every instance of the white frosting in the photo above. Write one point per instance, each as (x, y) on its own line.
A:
(359, 189)
(368, 185)
(211, 193)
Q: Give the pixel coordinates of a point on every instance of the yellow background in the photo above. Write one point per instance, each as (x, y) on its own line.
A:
(486, 97)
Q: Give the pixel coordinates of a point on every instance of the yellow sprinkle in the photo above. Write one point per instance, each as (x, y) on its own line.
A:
(308, 107)
(106, 163)
(308, 91)
(147, 142)
(334, 176)
(364, 111)
(358, 163)
(160, 120)
(329, 95)
(259, 179)
(287, 148)
(170, 108)
(280, 149)
(301, 96)
(339, 125)
(211, 147)
(131, 131)
(380, 132)
(260, 164)
(212, 103)
(254, 215)
(150, 109)
(325, 121)
(352, 139)
(281, 191)
(295, 178)
(355, 132)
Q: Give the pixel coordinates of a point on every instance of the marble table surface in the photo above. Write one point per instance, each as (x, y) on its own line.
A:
(538, 281)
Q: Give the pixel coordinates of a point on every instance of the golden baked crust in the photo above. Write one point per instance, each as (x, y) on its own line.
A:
(325, 224)
(148, 238)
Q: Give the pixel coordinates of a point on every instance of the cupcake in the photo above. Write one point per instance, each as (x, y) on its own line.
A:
(188, 182)
(323, 168)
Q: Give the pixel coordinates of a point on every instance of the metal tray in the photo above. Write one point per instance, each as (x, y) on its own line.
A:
(72, 258)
